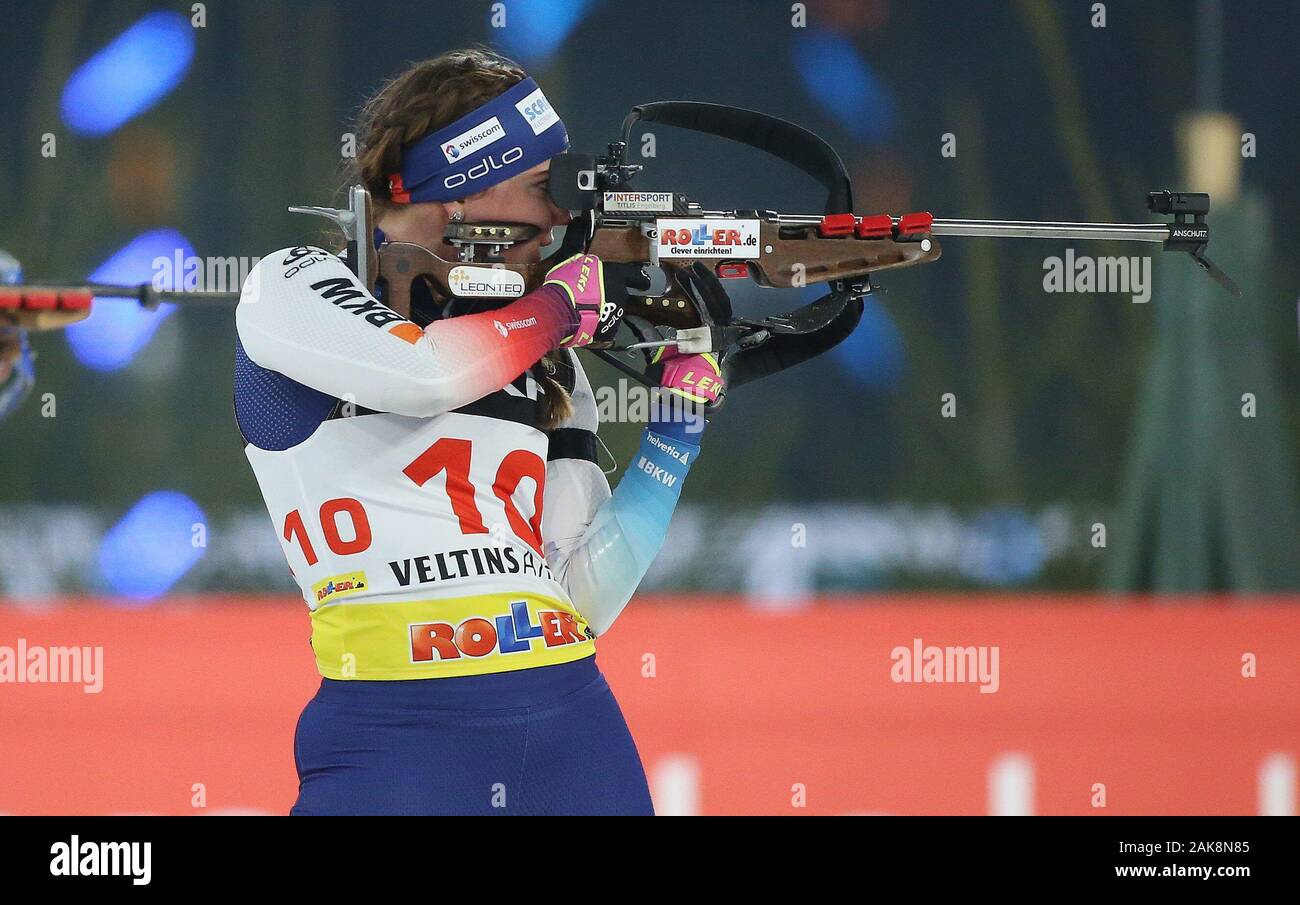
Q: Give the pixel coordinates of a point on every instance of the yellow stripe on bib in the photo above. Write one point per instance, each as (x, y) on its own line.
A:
(462, 636)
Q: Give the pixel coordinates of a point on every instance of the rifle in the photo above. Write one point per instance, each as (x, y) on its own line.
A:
(671, 232)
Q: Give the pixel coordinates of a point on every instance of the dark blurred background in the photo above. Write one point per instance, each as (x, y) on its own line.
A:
(1074, 411)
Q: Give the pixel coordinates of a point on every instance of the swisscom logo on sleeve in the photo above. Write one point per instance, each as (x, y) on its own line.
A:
(480, 136)
(537, 110)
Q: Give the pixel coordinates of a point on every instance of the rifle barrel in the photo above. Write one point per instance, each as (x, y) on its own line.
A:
(1037, 229)
(142, 292)
(1009, 229)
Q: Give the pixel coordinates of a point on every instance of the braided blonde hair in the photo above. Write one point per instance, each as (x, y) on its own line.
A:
(424, 98)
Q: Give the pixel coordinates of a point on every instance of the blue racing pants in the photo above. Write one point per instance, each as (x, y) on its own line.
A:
(547, 740)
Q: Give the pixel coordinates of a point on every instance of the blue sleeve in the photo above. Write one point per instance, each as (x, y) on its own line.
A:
(626, 532)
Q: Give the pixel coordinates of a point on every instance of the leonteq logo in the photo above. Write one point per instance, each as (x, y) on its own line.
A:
(485, 281)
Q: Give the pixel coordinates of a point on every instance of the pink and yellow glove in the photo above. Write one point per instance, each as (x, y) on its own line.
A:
(697, 377)
(598, 291)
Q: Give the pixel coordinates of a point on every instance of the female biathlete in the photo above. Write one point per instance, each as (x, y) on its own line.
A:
(434, 480)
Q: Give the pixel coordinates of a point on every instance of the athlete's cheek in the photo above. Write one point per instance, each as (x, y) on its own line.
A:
(529, 252)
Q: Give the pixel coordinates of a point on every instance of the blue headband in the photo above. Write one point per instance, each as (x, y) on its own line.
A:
(508, 135)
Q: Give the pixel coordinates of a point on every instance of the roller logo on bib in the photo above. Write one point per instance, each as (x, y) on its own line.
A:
(479, 636)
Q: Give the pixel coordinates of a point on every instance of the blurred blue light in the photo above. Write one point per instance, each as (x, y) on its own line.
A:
(844, 85)
(536, 29)
(151, 547)
(1003, 547)
(119, 328)
(137, 69)
(873, 354)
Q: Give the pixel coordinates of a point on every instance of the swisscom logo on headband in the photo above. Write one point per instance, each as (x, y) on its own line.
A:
(537, 110)
(480, 136)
